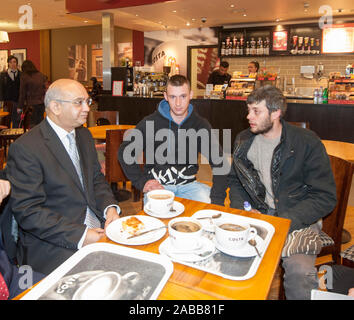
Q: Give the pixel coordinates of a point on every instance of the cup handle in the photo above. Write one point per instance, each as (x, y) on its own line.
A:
(132, 277)
(252, 233)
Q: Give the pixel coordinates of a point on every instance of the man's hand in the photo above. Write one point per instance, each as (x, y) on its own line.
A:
(152, 185)
(5, 188)
(93, 235)
(111, 215)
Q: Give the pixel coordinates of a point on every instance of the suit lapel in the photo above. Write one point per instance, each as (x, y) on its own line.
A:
(58, 150)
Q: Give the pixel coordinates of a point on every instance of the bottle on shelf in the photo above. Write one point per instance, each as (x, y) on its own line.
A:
(315, 96)
(266, 47)
(325, 96)
(223, 48)
(234, 45)
(320, 95)
(242, 46)
(248, 49)
(253, 47)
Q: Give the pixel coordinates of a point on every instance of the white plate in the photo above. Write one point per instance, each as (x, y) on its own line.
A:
(168, 249)
(246, 251)
(207, 224)
(115, 231)
(178, 206)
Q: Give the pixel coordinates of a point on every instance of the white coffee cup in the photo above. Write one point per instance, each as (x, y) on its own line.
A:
(233, 234)
(160, 201)
(185, 233)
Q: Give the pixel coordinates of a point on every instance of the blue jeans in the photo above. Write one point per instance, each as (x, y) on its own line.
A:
(193, 191)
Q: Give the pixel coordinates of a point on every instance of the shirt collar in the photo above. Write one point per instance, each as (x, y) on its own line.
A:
(62, 133)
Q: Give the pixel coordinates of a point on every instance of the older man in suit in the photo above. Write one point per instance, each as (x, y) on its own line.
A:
(59, 197)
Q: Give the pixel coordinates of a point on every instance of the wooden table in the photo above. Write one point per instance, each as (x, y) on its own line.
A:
(340, 149)
(187, 283)
(99, 132)
(4, 114)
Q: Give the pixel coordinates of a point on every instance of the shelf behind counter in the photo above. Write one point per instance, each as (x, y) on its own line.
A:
(329, 121)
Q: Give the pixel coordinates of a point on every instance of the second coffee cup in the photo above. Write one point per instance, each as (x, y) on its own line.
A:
(185, 233)
(160, 201)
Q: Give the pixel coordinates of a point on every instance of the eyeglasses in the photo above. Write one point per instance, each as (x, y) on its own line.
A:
(78, 102)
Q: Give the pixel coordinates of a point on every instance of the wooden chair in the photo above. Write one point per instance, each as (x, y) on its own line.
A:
(2, 158)
(331, 234)
(7, 136)
(114, 172)
(99, 118)
(305, 125)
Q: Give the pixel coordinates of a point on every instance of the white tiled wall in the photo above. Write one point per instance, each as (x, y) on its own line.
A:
(289, 67)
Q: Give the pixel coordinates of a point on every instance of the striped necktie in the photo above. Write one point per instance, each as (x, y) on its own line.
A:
(91, 220)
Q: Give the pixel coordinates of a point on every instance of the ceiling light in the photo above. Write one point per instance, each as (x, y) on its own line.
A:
(188, 24)
(4, 37)
(232, 5)
(174, 11)
(277, 20)
(245, 15)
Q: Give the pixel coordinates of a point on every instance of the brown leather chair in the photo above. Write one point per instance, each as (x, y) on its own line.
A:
(114, 172)
(331, 234)
(305, 125)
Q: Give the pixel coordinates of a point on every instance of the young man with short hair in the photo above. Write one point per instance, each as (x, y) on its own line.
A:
(171, 139)
(10, 90)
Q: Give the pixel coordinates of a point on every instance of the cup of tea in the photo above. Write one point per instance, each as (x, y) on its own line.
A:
(232, 235)
(185, 233)
(160, 201)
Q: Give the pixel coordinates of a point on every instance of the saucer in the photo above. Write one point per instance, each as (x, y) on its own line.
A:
(207, 224)
(178, 206)
(247, 251)
(168, 249)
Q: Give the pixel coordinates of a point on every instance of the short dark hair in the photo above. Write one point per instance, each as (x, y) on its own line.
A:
(224, 64)
(272, 96)
(12, 57)
(256, 64)
(177, 81)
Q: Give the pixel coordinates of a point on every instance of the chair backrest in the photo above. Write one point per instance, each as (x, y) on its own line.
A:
(333, 223)
(305, 125)
(104, 117)
(114, 171)
(2, 158)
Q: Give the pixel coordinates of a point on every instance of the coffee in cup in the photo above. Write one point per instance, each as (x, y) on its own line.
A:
(160, 201)
(185, 233)
(232, 235)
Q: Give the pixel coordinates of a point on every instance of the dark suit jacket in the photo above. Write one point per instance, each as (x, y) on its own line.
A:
(47, 199)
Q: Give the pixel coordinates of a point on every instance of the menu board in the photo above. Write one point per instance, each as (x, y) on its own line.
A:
(338, 39)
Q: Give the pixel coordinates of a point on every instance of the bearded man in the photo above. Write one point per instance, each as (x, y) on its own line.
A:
(283, 170)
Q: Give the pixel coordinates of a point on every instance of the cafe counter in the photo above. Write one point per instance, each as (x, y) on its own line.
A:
(329, 121)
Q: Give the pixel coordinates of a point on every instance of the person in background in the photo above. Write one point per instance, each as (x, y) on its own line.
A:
(10, 90)
(178, 172)
(220, 76)
(9, 273)
(59, 199)
(284, 170)
(253, 67)
(32, 91)
(96, 89)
